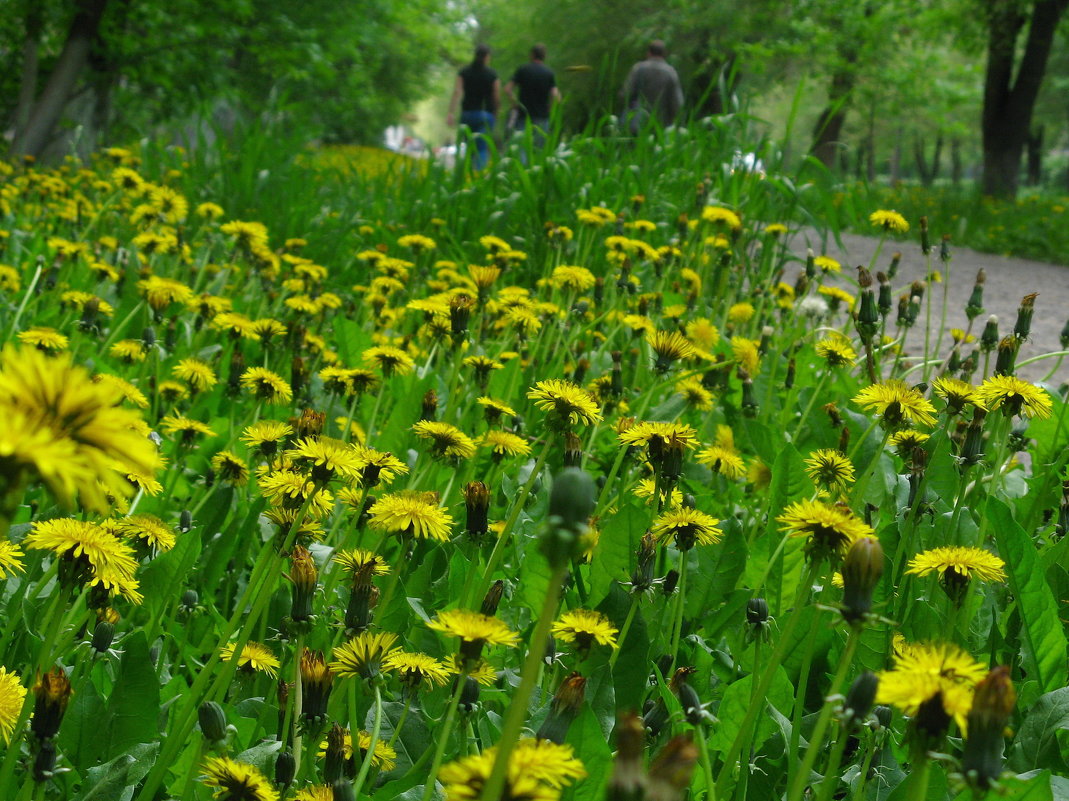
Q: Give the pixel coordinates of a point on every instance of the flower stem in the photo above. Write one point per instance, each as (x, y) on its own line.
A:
(517, 711)
(376, 727)
(442, 739)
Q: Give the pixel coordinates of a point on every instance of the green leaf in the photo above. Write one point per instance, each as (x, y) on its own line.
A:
(737, 700)
(1037, 787)
(718, 570)
(1043, 643)
(163, 578)
(1038, 744)
(585, 735)
(79, 737)
(133, 708)
(117, 780)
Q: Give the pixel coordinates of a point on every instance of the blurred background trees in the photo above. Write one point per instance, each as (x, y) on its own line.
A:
(940, 91)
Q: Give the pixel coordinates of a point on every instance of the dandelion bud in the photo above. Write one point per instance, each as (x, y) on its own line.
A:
(304, 576)
(913, 308)
(103, 635)
(310, 424)
(972, 450)
(316, 681)
(358, 610)
(902, 321)
(628, 770)
(926, 245)
(566, 704)
(859, 699)
(342, 790)
(862, 568)
(285, 768)
(868, 316)
(884, 715)
(212, 721)
(1064, 336)
(334, 762)
(992, 706)
(237, 367)
(989, 338)
(749, 401)
(90, 311)
(671, 581)
(45, 761)
(429, 407)
(810, 264)
(788, 379)
(469, 696)
(688, 696)
(148, 337)
(642, 577)
(579, 373)
(944, 248)
(975, 305)
(884, 302)
(571, 502)
(492, 599)
(477, 503)
(616, 383)
(671, 771)
(1023, 326)
(1005, 360)
(766, 339)
(298, 375)
(756, 612)
(51, 694)
(573, 450)
(892, 270)
(599, 290)
(459, 315)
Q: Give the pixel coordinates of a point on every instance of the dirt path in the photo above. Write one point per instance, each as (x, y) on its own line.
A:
(1008, 280)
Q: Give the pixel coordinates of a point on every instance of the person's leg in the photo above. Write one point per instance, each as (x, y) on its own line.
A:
(481, 124)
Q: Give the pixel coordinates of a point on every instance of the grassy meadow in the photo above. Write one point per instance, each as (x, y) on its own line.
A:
(329, 474)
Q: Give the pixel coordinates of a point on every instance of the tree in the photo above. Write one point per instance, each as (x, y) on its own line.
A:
(1012, 84)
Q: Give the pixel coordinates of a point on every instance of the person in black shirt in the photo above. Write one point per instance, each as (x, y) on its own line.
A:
(537, 93)
(479, 91)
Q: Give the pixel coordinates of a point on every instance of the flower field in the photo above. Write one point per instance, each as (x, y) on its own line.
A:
(561, 482)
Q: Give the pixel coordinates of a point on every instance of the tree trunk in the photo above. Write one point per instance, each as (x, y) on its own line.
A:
(28, 81)
(1034, 159)
(870, 145)
(956, 168)
(895, 167)
(927, 173)
(1009, 101)
(32, 138)
(829, 127)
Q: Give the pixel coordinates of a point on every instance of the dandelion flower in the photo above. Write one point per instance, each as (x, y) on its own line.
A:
(447, 441)
(718, 214)
(390, 360)
(230, 468)
(474, 631)
(1014, 396)
(254, 658)
(695, 394)
(384, 756)
(47, 339)
(363, 655)
(10, 559)
(378, 467)
(290, 489)
(410, 513)
(723, 460)
(12, 695)
(149, 529)
(84, 547)
(689, 527)
(924, 670)
(584, 627)
(185, 428)
(237, 781)
(889, 221)
(956, 393)
(537, 771)
(504, 443)
(956, 565)
(836, 352)
(830, 469)
(827, 264)
(414, 670)
(669, 347)
(829, 530)
(566, 403)
(199, 375)
(897, 404)
(267, 385)
(326, 458)
(266, 435)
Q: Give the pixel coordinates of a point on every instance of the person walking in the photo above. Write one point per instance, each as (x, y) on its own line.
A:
(478, 89)
(538, 92)
(652, 88)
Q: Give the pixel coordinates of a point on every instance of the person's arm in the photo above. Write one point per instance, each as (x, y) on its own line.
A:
(509, 91)
(497, 94)
(554, 96)
(458, 90)
(629, 87)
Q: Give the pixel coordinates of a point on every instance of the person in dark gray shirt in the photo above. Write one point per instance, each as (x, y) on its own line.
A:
(538, 92)
(652, 88)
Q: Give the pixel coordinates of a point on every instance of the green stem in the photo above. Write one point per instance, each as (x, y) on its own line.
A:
(862, 777)
(401, 721)
(706, 763)
(365, 766)
(517, 711)
(442, 736)
(621, 638)
(677, 623)
(918, 789)
(831, 775)
(744, 733)
(816, 741)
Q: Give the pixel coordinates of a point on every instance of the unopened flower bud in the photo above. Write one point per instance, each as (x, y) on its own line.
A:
(459, 314)
(52, 692)
(316, 683)
(310, 424)
(810, 264)
(305, 577)
(212, 720)
(884, 302)
(334, 761)
(672, 769)
(477, 505)
(628, 770)
(1023, 327)
(861, 571)
(642, 577)
(571, 502)
(429, 407)
(148, 338)
(944, 248)
(859, 699)
(285, 768)
(103, 635)
(493, 598)
(342, 790)
(566, 704)
(469, 696)
(992, 706)
(573, 449)
(926, 245)
(185, 521)
(1006, 357)
(975, 305)
(989, 336)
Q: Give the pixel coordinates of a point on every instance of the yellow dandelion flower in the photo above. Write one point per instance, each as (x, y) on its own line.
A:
(689, 527)
(566, 403)
(254, 658)
(584, 627)
(889, 221)
(829, 530)
(412, 514)
(237, 781)
(897, 404)
(1014, 396)
(830, 469)
(363, 656)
